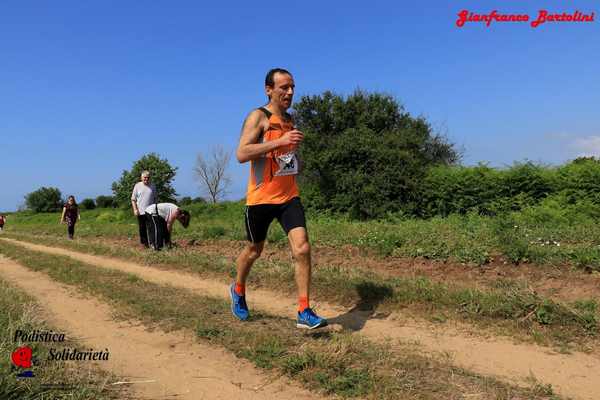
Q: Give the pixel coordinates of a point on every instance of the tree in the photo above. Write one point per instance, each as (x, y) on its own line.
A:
(211, 173)
(185, 201)
(88, 204)
(45, 199)
(364, 154)
(161, 172)
(106, 201)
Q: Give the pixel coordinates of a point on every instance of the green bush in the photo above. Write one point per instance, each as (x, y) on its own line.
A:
(185, 201)
(87, 204)
(530, 180)
(106, 202)
(45, 199)
(488, 191)
(363, 154)
(365, 157)
(449, 190)
(580, 180)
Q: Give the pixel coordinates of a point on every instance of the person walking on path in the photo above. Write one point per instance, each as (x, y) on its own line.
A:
(269, 141)
(2, 221)
(70, 216)
(144, 193)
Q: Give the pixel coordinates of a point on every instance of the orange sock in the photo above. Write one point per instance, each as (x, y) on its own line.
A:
(240, 289)
(302, 303)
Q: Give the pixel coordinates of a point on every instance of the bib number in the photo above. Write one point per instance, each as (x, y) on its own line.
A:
(288, 164)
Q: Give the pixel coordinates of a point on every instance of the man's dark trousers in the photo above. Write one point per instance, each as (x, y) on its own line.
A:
(143, 230)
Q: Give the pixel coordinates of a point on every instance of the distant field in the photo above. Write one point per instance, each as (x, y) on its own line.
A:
(536, 235)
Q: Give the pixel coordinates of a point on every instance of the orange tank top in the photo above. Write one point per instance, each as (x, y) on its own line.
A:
(269, 183)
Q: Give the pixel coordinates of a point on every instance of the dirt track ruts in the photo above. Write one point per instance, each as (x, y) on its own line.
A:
(174, 365)
(576, 375)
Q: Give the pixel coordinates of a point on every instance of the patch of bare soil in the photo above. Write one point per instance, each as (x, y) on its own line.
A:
(576, 375)
(161, 365)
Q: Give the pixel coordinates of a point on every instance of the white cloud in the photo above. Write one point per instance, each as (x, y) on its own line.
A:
(586, 146)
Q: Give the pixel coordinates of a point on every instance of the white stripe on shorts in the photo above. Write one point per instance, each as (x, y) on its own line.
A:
(248, 224)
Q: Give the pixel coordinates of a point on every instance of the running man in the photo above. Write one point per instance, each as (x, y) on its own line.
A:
(269, 141)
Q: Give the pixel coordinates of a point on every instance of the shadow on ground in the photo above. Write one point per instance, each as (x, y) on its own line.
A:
(371, 295)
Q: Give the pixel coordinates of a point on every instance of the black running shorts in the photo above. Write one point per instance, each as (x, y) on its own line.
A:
(258, 218)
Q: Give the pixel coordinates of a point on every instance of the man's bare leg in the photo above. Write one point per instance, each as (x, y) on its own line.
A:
(300, 246)
(237, 291)
(298, 238)
(244, 262)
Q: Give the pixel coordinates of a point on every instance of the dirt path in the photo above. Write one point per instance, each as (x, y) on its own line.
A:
(576, 375)
(173, 365)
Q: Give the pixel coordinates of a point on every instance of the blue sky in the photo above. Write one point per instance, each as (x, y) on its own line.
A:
(87, 88)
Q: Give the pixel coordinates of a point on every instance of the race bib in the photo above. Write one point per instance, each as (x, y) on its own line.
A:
(288, 164)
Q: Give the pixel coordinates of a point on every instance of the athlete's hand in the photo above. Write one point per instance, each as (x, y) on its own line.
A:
(292, 138)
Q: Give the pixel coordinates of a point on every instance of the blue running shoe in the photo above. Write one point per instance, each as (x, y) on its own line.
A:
(238, 304)
(307, 319)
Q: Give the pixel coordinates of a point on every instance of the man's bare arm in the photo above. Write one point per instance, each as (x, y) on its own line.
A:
(254, 125)
(172, 219)
(135, 207)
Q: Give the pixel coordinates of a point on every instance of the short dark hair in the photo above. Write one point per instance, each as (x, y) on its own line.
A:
(270, 78)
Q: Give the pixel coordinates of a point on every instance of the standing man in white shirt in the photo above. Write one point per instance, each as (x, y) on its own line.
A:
(144, 194)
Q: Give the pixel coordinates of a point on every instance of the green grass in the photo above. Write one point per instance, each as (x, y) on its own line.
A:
(509, 307)
(334, 363)
(539, 234)
(19, 311)
(543, 234)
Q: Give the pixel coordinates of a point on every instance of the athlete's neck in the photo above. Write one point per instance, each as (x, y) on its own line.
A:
(276, 110)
